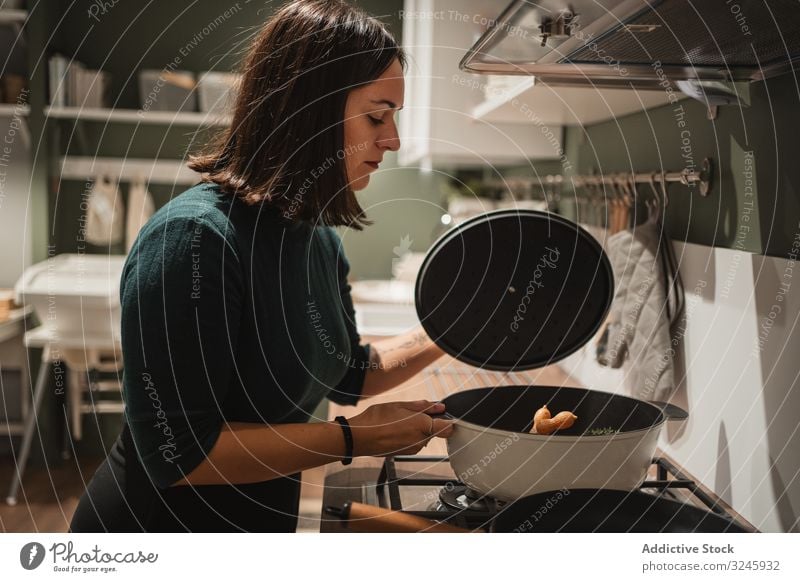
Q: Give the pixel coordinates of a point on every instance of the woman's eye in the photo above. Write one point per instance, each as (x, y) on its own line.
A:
(376, 120)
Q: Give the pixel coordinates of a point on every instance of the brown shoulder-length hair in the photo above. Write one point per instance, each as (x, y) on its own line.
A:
(285, 145)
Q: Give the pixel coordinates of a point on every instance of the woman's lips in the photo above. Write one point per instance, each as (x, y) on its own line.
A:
(373, 165)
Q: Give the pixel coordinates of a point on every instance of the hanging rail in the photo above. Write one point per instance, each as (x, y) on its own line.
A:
(550, 182)
(686, 177)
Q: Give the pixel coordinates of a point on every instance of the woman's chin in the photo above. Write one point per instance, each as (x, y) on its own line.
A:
(360, 183)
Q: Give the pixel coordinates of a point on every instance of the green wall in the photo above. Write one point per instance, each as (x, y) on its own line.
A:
(762, 219)
(407, 206)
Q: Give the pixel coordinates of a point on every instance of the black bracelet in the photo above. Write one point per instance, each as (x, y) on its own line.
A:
(348, 440)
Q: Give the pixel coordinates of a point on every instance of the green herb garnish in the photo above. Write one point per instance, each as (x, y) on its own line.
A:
(601, 431)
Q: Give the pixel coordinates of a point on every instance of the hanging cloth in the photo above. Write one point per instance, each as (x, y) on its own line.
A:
(140, 209)
(105, 213)
(639, 326)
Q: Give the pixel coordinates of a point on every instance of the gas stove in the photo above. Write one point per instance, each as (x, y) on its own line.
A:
(426, 486)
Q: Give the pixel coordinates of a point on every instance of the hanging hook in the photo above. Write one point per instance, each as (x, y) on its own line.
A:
(634, 206)
(627, 192)
(597, 205)
(665, 194)
(652, 182)
(600, 203)
(615, 201)
(653, 205)
(621, 200)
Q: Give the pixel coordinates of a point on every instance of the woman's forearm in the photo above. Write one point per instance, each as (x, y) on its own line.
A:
(248, 452)
(253, 452)
(395, 360)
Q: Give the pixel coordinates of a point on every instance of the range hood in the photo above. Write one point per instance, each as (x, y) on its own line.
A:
(640, 43)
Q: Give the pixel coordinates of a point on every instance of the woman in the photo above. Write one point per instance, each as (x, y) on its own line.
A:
(236, 313)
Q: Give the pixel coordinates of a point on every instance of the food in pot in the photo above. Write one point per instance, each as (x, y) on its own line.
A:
(560, 421)
(542, 414)
(543, 423)
(605, 431)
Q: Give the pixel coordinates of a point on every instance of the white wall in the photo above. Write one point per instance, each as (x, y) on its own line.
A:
(741, 439)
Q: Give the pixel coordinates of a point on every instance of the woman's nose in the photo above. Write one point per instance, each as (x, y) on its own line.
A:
(391, 141)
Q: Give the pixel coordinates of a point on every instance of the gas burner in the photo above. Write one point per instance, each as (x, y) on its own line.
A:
(455, 503)
(460, 497)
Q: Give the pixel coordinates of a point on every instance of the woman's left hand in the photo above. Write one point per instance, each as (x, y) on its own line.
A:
(398, 428)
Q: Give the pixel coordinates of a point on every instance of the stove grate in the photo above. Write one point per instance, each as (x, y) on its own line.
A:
(669, 478)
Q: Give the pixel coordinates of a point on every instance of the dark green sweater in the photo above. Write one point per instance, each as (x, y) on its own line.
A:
(228, 314)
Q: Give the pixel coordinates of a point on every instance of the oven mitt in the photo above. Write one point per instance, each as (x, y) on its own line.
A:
(638, 325)
(104, 220)
(140, 209)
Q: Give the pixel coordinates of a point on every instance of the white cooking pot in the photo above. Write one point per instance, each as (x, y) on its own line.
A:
(492, 452)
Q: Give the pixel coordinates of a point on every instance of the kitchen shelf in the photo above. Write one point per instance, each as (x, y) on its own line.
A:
(15, 323)
(13, 16)
(136, 116)
(102, 407)
(11, 110)
(540, 103)
(14, 428)
(127, 169)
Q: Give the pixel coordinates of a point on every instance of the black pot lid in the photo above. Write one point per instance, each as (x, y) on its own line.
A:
(514, 289)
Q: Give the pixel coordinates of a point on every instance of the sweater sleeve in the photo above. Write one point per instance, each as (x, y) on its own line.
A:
(181, 294)
(348, 391)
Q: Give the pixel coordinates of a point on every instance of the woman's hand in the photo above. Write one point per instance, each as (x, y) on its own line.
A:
(397, 428)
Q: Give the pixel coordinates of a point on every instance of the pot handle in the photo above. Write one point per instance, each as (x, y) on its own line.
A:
(372, 519)
(671, 411)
